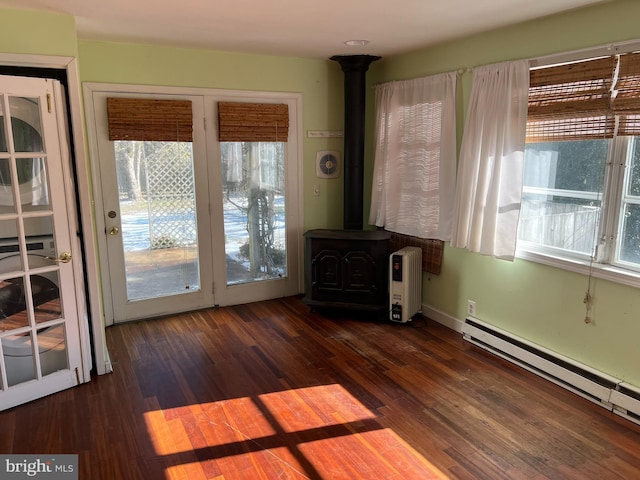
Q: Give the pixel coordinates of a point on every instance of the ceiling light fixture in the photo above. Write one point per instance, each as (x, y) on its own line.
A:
(357, 43)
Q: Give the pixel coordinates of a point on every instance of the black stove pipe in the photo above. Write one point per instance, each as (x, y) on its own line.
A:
(354, 68)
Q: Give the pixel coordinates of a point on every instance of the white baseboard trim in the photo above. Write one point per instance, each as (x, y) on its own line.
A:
(613, 394)
(442, 318)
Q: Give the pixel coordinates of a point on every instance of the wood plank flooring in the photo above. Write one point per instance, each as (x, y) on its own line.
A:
(270, 390)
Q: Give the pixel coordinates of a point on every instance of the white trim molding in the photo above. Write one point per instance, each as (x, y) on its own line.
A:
(609, 392)
(442, 318)
(86, 214)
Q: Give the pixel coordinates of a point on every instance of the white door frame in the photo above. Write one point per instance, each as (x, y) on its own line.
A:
(114, 284)
(264, 289)
(85, 217)
(296, 209)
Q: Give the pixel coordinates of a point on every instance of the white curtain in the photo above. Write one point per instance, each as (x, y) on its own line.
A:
(489, 185)
(415, 157)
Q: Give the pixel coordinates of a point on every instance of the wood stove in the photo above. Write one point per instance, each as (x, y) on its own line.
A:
(349, 268)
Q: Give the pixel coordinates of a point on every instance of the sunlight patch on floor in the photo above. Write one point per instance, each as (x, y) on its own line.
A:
(314, 407)
(314, 432)
(374, 454)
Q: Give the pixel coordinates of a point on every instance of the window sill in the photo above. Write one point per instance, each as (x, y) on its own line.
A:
(598, 270)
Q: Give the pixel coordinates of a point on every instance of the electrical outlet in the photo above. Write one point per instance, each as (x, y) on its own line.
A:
(471, 308)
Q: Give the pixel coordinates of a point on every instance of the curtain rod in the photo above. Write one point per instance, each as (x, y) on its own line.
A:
(599, 51)
(573, 55)
(563, 57)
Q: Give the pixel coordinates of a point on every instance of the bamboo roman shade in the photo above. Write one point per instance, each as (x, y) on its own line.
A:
(253, 122)
(593, 99)
(571, 101)
(626, 97)
(150, 119)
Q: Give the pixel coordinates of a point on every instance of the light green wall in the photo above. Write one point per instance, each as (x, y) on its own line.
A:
(36, 33)
(540, 303)
(319, 82)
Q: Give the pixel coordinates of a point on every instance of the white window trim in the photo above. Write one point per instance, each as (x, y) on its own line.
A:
(612, 271)
(607, 268)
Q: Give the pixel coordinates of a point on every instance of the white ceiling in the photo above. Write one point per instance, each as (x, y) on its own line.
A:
(299, 28)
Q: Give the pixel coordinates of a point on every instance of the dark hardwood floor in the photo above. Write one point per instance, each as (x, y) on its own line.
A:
(270, 390)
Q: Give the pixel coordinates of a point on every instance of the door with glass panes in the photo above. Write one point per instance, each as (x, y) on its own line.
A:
(39, 330)
(192, 222)
(257, 205)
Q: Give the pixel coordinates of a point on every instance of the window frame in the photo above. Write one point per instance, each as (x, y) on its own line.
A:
(622, 199)
(605, 264)
(604, 196)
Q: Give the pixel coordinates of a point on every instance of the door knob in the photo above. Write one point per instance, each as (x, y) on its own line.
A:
(114, 231)
(65, 257)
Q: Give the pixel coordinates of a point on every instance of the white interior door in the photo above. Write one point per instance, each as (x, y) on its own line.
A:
(40, 348)
(239, 202)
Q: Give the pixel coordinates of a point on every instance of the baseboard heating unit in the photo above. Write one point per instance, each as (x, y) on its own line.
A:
(600, 388)
(405, 284)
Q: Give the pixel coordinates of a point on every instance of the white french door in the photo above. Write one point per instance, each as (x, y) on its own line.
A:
(208, 223)
(157, 239)
(256, 214)
(40, 348)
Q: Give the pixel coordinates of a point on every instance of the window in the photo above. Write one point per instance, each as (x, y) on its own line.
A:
(414, 171)
(562, 195)
(628, 245)
(581, 189)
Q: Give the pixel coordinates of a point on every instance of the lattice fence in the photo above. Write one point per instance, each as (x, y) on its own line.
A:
(171, 198)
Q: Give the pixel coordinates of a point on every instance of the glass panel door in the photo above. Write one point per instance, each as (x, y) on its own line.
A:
(156, 219)
(253, 186)
(39, 342)
(156, 192)
(198, 224)
(256, 211)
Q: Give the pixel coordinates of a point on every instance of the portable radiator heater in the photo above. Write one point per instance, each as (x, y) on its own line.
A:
(405, 284)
